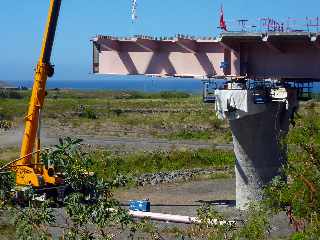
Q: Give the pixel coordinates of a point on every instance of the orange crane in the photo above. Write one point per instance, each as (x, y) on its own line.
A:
(29, 169)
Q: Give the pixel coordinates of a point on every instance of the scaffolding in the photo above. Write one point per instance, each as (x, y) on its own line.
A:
(268, 24)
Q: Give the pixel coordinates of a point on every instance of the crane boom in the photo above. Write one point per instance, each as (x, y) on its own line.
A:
(35, 173)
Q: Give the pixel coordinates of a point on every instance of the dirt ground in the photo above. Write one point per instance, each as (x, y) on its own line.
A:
(185, 198)
(12, 138)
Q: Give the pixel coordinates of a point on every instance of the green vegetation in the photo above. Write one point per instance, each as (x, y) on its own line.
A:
(300, 194)
(86, 112)
(160, 95)
(87, 206)
(10, 94)
(6, 125)
(170, 115)
(8, 154)
(107, 164)
(7, 232)
(225, 137)
(254, 227)
(76, 94)
(218, 175)
(6, 110)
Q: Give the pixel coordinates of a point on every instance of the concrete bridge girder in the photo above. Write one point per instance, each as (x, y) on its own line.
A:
(177, 57)
(252, 55)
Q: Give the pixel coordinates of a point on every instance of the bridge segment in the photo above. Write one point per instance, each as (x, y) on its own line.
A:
(276, 55)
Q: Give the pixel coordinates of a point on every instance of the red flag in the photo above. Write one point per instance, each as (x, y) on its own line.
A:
(223, 24)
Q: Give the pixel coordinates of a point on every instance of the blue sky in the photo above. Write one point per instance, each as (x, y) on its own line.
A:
(22, 24)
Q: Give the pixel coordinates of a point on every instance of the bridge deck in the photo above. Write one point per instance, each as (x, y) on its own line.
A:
(279, 55)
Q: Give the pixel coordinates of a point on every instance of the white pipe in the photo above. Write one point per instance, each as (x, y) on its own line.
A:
(175, 218)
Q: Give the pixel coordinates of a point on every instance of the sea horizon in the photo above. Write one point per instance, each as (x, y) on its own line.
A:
(189, 85)
(146, 85)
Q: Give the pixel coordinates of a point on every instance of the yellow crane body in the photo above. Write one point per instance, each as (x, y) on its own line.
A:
(29, 172)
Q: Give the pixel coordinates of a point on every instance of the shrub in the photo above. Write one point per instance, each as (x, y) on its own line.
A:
(6, 124)
(145, 95)
(299, 195)
(89, 203)
(86, 112)
(10, 94)
(109, 165)
(167, 95)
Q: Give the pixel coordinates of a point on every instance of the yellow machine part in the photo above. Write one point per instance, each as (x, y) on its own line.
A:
(26, 176)
(28, 172)
(36, 103)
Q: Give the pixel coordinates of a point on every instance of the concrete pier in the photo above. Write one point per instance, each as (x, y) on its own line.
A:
(257, 131)
(258, 150)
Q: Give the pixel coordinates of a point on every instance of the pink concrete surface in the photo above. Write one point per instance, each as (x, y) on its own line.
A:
(163, 58)
(259, 56)
(291, 60)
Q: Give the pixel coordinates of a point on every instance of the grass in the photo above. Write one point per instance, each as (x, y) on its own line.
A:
(7, 232)
(170, 115)
(220, 175)
(10, 94)
(8, 154)
(12, 108)
(225, 174)
(76, 94)
(218, 135)
(308, 111)
(107, 164)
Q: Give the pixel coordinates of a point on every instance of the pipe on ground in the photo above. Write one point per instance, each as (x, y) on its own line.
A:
(176, 218)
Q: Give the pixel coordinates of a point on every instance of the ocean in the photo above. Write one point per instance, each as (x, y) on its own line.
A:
(146, 84)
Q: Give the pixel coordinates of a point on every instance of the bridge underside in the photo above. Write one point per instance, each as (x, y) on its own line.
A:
(285, 55)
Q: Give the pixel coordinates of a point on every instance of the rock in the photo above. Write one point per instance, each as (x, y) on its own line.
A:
(170, 177)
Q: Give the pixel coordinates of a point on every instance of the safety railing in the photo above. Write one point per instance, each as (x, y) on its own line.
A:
(267, 24)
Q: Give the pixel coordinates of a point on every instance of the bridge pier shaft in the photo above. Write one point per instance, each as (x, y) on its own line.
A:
(258, 150)
(257, 131)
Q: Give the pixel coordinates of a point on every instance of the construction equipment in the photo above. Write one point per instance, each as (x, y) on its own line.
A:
(261, 91)
(209, 87)
(29, 169)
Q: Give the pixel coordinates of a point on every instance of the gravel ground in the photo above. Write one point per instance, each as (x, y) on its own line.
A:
(185, 198)
(13, 138)
(175, 176)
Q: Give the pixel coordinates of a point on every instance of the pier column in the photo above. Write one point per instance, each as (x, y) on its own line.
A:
(257, 131)
(258, 150)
